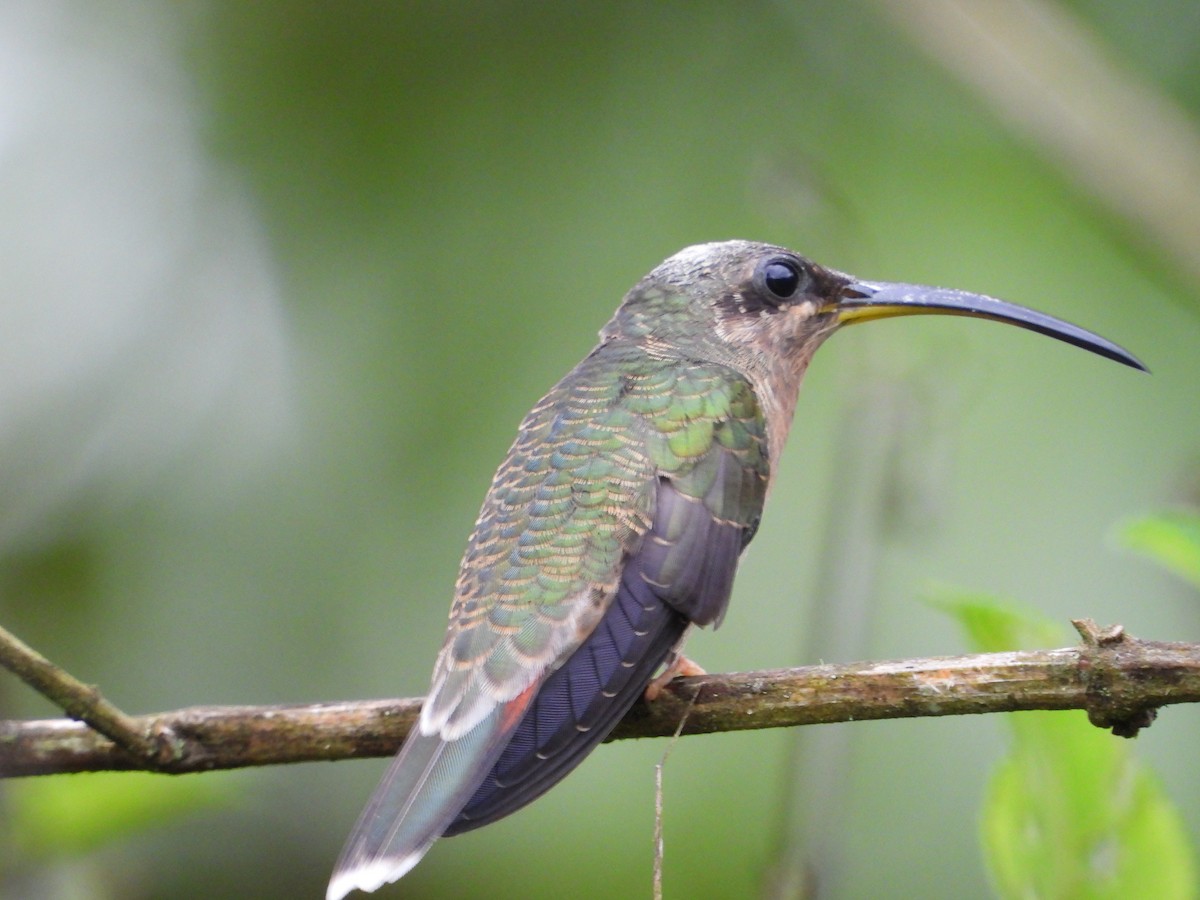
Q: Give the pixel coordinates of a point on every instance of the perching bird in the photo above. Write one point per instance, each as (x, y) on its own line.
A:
(615, 522)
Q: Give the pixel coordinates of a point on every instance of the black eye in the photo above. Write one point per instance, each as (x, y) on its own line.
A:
(781, 278)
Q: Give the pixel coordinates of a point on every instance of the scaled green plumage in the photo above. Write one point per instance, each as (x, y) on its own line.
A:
(573, 498)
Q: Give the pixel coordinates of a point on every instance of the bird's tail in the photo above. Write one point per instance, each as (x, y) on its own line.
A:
(427, 784)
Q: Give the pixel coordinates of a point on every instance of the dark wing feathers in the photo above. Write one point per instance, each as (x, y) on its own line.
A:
(709, 496)
(616, 520)
(579, 703)
(691, 563)
(682, 573)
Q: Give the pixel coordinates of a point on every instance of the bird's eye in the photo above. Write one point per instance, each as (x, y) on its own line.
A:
(781, 278)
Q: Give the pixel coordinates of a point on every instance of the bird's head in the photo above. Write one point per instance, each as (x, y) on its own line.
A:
(758, 306)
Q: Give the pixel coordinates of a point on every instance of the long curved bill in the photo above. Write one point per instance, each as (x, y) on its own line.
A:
(861, 301)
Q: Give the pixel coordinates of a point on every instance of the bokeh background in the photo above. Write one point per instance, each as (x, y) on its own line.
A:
(278, 280)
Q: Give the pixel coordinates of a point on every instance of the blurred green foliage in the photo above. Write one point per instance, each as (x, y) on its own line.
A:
(1070, 812)
(63, 817)
(1171, 538)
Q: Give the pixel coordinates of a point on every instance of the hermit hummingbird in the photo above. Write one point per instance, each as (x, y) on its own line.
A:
(615, 523)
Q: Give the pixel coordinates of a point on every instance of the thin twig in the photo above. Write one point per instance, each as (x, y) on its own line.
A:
(78, 700)
(658, 798)
(1117, 680)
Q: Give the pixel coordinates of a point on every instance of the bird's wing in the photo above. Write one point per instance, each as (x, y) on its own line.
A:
(707, 443)
(634, 483)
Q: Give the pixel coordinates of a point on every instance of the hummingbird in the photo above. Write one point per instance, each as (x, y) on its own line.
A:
(615, 524)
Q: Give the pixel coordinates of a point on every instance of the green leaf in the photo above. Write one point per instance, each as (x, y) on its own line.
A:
(993, 626)
(1171, 538)
(1070, 812)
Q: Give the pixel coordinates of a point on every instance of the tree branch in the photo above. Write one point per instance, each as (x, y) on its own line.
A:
(78, 700)
(1118, 679)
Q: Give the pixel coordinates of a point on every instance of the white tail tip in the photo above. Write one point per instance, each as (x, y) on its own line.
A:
(369, 876)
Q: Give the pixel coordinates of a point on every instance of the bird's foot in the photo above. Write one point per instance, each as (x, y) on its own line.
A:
(679, 666)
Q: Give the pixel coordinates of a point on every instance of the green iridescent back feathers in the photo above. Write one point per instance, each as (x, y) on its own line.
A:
(573, 498)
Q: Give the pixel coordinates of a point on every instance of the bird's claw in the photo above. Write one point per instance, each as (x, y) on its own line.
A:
(680, 667)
